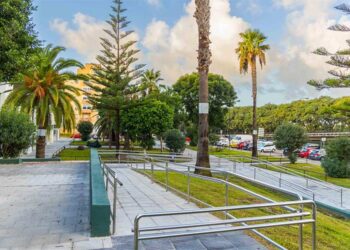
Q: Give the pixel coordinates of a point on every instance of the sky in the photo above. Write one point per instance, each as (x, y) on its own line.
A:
(167, 38)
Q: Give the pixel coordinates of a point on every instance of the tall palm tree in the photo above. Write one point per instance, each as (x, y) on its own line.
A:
(149, 82)
(251, 49)
(202, 16)
(43, 93)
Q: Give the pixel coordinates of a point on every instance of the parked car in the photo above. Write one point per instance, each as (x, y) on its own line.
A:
(234, 143)
(223, 142)
(242, 144)
(317, 154)
(76, 136)
(268, 148)
(305, 152)
(248, 146)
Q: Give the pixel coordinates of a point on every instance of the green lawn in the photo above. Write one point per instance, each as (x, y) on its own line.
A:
(222, 152)
(332, 233)
(318, 172)
(73, 154)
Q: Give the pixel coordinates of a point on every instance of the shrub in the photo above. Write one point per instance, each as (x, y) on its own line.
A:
(213, 139)
(337, 161)
(81, 147)
(290, 136)
(292, 158)
(175, 140)
(94, 144)
(85, 128)
(16, 133)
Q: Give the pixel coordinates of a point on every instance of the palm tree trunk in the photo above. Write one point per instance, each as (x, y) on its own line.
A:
(255, 127)
(202, 16)
(126, 141)
(40, 143)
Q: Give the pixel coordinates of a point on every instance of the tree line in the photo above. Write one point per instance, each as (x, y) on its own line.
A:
(317, 115)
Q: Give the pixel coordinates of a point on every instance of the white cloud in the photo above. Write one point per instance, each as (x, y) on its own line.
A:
(154, 2)
(307, 29)
(84, 34)
(173, 49)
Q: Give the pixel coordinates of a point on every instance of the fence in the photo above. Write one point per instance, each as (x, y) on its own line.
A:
(143, 162)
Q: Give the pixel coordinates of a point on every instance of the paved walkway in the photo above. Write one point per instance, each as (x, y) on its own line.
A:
(324, 192)
(45, 206)
(139, 195)
(51, 148)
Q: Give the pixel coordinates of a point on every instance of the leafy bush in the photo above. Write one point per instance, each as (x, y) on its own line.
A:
(81, 147)
(337, 161)
(290, 136)
(85, 128)
(16, 132)
(213, 139)
(292, 158)
(94, 144)
(175, 140)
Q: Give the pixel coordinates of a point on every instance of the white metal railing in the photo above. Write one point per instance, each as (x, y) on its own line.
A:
(300, 221)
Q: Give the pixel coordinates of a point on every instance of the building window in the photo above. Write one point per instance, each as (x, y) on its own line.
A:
(86, 107)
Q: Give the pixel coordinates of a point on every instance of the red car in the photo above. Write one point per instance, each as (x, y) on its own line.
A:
(304, 153)
(76, 136)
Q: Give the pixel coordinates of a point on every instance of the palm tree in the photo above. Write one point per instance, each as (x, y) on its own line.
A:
(249, 50)
(202, 16)
(149, 82)
(44, 94)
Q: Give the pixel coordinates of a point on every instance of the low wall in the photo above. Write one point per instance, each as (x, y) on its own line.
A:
(100, 208)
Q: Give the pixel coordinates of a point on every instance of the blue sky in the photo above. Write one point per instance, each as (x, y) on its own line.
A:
(167, 35)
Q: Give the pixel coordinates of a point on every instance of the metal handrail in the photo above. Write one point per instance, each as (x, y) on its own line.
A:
(227, 184)
(293, 173)
(300, 222)
(107, 172)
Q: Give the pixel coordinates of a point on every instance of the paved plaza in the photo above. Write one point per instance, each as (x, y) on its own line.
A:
(45, 206)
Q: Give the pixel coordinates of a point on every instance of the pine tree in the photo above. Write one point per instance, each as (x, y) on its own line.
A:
(340, 59)
(117, 70)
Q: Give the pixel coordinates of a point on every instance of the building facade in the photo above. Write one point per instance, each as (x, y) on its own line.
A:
(88, 113)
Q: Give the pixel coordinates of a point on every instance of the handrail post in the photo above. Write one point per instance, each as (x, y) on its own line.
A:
(114, 204)
(280, 180)
(188, 184)
(314, 226)
(301, 210)
(167, 177)
(152, 170)
(136, 233)
(254, 173)
(341, 197)
(226, 194)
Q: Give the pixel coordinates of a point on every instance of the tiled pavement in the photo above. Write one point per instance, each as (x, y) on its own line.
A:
(51, 148)
(43, 206)
(138, 195)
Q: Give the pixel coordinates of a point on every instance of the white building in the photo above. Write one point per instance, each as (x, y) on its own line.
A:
(4, 92)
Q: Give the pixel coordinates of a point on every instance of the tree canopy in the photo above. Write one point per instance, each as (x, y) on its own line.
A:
(143, 121)
(221, 96)
(316, 115)
(18, 38)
